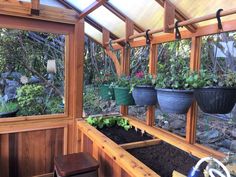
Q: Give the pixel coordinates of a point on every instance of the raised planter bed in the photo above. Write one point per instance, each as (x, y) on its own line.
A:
(164, 158)
(121, 136)
(129, 159)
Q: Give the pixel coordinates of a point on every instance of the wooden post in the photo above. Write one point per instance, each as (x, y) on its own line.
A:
(192, 113)
(35, 7)
(150, 117)
(125, 59)
(77, 67)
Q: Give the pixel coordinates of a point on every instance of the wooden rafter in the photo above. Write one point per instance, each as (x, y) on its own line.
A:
(122, 16)
(35, 7)
(88, 19)
(91, 8)
(179, 15)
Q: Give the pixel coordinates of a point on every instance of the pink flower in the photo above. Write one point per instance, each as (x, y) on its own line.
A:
(139, 74)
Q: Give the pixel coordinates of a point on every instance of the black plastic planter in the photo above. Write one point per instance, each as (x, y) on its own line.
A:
(216, 100)
(144, 95)
(8, 114)
(174, 101)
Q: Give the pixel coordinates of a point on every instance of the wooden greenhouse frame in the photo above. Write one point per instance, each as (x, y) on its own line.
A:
(68, 132)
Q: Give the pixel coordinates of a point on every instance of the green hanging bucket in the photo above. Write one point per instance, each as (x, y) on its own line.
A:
(106, 93)
(123, 96)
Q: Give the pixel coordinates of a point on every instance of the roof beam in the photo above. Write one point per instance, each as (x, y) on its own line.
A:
(122, 16)
(35, 7)
(91, 8)
(88, 19)
(179, 15)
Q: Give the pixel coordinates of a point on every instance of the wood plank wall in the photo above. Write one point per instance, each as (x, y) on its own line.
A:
(31, 153)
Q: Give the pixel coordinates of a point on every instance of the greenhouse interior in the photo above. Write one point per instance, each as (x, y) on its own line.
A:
(117, 88)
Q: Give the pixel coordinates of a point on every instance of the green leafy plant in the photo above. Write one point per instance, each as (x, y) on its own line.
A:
(104, 78)
(123, 81)
(101, 122)
(207, 79)
(175, 74)
(54, 105)
(142, 78)
(30, 99)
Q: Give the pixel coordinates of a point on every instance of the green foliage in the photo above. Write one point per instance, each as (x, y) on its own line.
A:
(54, 105)
(104, 78)
(101, 122)
(207, 79)
(174, 74)
(142, 79)
(91, 101)
(123, 81)
(8, 107)
(30, 99)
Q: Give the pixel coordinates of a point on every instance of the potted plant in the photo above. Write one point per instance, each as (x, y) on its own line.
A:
(106, 91)
(122, 91)
(8, 109)
(216, 93)
(174, 86)
(143, 89)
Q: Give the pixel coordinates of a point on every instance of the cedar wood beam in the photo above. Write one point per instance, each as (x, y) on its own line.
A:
(91, 8)
(88, 19)
(122, 16)
(179, 15)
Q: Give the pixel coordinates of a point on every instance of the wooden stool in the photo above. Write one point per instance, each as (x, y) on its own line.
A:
(75, 165)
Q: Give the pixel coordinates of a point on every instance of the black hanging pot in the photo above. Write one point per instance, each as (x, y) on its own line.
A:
(8, 114)
(144, 95)
(174, 101)
(217, 100)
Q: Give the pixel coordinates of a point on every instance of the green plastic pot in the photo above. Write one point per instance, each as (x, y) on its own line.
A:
(106, 93)
(123, 96)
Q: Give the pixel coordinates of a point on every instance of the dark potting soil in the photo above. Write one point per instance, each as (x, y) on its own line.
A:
(164, 159)
(121, 136)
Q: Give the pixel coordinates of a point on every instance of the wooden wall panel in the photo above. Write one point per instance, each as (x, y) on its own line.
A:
(30, 153)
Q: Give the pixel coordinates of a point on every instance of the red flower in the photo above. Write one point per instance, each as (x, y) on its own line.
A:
(139, 74)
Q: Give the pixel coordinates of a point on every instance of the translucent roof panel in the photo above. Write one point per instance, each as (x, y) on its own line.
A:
(146, 13)
(193, 8)
(92, 32)
(81, 4)
(53, 3)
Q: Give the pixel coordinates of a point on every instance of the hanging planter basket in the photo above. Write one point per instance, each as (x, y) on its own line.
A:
(174, 101)
(123, 96)
(144, 95)
(216, 100)
(106, 93)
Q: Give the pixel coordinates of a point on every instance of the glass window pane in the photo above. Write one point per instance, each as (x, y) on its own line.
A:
(218, 131)
(32, 72)
(179, 52)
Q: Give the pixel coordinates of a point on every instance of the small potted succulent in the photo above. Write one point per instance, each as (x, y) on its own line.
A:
(216, 93)
(8, 109)
(104, 81)
(122, 91)
(174, 86)
(143, 89)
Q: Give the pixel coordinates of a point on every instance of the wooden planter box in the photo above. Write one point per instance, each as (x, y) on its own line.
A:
(115, 161)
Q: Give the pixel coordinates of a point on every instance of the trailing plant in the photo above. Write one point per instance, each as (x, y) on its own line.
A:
(142, 78)
(31, 99)
(104, 78)
(207, 79)
(123, 81)
(175, 74)
(101, 122)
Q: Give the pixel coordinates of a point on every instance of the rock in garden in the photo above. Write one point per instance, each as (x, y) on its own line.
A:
(177, 124)
(10, 89)
(209, 136)
(233, 146)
